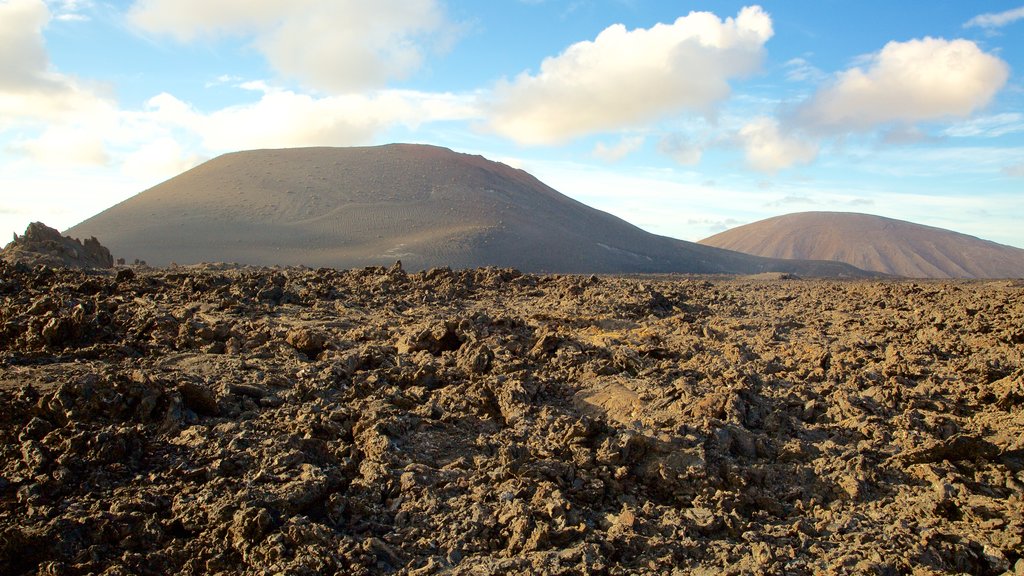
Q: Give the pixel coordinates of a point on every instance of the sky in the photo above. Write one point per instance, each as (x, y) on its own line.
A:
(684, 118)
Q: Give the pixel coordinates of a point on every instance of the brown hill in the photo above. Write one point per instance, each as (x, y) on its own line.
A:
(428, 206)
(874, 243)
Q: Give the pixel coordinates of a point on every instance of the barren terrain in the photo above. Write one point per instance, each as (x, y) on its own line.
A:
(425, 205)
(256, 421)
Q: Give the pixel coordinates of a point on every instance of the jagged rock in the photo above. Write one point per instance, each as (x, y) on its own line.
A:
(43, 245)
(483, 421)
(957, 448)
(309, 342)
(199, 398)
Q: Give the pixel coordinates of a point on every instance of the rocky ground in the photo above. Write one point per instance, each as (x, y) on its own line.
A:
(244, 421)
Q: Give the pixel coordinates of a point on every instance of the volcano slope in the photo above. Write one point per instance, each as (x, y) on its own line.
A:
(425, 205)
(874, 243)
(254, 421)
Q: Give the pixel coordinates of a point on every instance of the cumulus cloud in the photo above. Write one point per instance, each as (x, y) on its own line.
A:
(283, 118)
(158, 158)
(625, 78)
(331, 45)
(996, 19)
(907, 82)
(42, 104)
(620, 150)
(60, 121)
(61, 144)
(23, 56)
(29, 89)
(768, 149)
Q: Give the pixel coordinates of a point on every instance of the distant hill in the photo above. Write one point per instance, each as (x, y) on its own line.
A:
(874, 243)
(424, 205)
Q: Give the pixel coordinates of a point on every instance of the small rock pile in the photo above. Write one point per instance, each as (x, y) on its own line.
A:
(43, 245)
(291, 421)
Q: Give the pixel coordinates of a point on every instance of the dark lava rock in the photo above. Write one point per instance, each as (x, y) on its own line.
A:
(43, 245)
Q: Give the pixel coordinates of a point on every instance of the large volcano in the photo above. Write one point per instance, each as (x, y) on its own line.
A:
(874, 243)
(424, 205)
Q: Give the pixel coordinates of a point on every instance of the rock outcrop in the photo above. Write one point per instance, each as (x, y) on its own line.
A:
(43, 245)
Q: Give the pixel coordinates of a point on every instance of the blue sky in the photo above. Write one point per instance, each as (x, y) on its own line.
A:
(684, 118)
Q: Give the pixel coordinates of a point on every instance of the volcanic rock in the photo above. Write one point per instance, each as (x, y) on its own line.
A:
(43, 245)
(486, 421)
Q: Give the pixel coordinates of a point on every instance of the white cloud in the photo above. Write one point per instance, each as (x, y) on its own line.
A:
(625, 78)
(29, 89)
(988, 126)
(61, 122)
(278, 119)
(282, 118)
(223, 79)
(23, 57)
(331, 45)
(907, 82)
(768, 149)
(65, 144)
(996, 19)
(160, 158)
(620, 150)
(800, 70)
(70, 10)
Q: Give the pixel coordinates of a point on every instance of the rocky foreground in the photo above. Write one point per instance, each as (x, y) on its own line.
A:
(372, 421)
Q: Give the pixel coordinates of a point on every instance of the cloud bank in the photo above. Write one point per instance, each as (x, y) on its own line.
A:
(283, 118)
(626, 78)
(61, 122)
(335, 46)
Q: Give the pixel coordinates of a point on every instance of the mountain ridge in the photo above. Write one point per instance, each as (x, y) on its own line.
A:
(426, 205)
